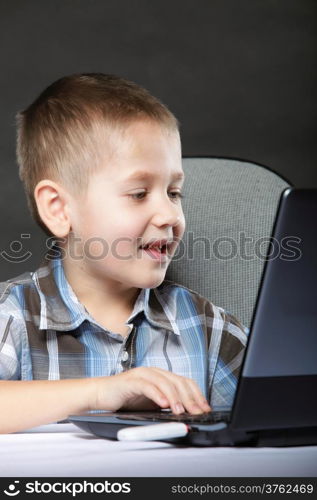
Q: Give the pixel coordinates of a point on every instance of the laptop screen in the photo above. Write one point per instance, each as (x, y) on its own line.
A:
(278, 382)
(284, 326)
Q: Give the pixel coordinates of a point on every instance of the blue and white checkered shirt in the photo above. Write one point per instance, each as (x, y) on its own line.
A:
(46, 333)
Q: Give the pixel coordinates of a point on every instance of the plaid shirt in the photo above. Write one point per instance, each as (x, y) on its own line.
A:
(46, 333)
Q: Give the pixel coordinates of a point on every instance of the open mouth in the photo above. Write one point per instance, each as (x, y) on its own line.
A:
(157, 249)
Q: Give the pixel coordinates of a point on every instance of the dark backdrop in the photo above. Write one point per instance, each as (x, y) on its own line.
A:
(240, 75)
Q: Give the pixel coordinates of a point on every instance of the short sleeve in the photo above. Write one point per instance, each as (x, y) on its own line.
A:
(11, 334)
(230, 357)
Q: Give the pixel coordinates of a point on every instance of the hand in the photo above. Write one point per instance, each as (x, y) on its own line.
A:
(145, 388)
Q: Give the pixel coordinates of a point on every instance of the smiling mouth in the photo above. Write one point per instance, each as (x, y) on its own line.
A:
(157, 250)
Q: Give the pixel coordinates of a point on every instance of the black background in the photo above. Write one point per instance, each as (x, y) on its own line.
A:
(240, 75)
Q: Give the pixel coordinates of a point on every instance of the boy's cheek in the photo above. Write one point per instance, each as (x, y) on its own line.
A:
(180, 229)
(123, 248)
(96, 248)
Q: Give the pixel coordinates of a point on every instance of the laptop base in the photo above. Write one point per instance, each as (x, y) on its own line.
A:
(213, 434)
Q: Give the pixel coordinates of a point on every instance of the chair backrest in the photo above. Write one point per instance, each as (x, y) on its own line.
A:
(230, 208)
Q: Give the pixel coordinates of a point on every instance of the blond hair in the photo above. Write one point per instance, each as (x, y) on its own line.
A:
(59, 136)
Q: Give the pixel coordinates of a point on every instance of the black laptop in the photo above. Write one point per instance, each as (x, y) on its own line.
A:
(276, 399)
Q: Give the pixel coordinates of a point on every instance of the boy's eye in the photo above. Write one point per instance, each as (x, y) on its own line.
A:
(176, 194)
(140, 196)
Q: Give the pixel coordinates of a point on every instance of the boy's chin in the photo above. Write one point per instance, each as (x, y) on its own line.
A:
(151, 282)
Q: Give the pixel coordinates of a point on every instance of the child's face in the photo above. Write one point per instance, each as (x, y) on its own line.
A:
(119, 213)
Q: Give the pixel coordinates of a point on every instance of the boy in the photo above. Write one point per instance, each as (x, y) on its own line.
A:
(96, 327)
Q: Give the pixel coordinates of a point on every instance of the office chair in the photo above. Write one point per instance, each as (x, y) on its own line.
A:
(230, 207)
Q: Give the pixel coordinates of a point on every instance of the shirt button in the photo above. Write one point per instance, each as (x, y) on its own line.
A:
(125, 356)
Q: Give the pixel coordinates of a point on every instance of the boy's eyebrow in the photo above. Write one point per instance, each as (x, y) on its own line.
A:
(143, 175)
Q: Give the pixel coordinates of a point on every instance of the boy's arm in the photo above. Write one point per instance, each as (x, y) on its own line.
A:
(26, 404)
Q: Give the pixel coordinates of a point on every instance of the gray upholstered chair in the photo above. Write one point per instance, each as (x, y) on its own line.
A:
(230, 207)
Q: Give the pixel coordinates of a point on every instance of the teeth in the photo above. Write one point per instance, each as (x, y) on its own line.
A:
(153, 246)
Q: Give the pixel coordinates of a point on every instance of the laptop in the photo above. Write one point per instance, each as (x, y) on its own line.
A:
(276, 398)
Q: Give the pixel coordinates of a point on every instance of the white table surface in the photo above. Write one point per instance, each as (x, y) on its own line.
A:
(63, 450)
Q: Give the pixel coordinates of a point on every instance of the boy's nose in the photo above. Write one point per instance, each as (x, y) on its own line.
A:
(168, 220)
(168, 213)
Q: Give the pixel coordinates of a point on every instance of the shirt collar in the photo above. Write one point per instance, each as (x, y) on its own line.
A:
(61, 310)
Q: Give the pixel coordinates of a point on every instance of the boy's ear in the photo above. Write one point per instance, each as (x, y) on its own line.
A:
(52, 205)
